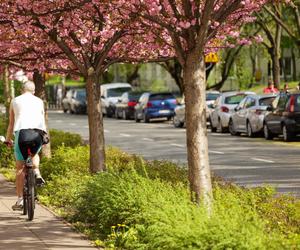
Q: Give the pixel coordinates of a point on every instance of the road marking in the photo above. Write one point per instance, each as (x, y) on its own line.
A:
(72, 124)
(125, 135)
(106, 131)
(59, 121)
(216, 152)
(177, 145)
(263, 160)
(148, 139)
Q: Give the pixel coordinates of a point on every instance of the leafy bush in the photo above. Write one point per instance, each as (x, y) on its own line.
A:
(59, 138)
(66, 160)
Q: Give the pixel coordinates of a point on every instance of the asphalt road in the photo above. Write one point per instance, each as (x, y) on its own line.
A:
(245, 161)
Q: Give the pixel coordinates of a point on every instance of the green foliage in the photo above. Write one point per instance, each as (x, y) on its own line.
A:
(59, 138)
(139, 204)
(66, 160)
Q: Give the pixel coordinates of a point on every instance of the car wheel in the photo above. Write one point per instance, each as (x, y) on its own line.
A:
(213, 129)
(108, 113)
(65, 110)
(267, 133)
(136, 117)
(220, 128)
(287, 135)
(177, 123)
(231, 129)
(249, 130)
(145, 118)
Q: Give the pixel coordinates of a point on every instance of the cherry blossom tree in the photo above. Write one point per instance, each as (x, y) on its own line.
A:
(82, 37)
(192, 28)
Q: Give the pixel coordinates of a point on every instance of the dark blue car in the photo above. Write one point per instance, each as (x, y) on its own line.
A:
(155, 105)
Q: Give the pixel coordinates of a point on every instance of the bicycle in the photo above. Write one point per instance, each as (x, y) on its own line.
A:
(29, 189)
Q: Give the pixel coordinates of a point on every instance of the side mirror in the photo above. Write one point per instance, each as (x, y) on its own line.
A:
(119, 100)
(237, 109)
(269, 108)
(103, 97)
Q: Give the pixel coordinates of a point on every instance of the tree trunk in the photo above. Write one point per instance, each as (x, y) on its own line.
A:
(275, 67)
(40, 91)
(96, 128)
(196, 131)
(294, 64)
(7, 96)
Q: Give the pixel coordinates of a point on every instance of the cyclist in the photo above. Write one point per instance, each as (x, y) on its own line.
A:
(26, 122)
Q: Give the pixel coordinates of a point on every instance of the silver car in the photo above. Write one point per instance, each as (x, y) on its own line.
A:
(179, 118)
(249, 115)
(224, 108)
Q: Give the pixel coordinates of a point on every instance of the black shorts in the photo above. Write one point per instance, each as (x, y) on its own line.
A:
(30, 140)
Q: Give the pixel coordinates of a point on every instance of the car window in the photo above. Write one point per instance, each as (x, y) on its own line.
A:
(134, 95)
(275, 102)
(242, 103)
(212, 96)
(267, 101)
(163, 96)
(282, 102)
(297, 103)
(81, 95)
(250, 103)
(234, 99)
(117, 91)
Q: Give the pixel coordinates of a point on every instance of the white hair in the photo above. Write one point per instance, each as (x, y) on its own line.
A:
(28, 86)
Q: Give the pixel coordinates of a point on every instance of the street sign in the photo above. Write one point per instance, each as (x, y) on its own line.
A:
(211, 58)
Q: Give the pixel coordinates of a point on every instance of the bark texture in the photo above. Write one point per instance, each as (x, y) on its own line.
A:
(197, 142)
(40, 91)
(7, 96)
(96, 129)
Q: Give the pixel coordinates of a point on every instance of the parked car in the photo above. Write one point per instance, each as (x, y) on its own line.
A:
(249, 115)
(155, 105)
(283, 117)
(75, 101)
(211, 97)
(125, 105)
(223, 108)
(110, 93)
(179, 117)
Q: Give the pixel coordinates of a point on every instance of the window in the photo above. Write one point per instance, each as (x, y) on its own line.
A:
(242, 103)
(266, 101)
(235, 99)
(249, 103)
(282, 102)
(157, 97)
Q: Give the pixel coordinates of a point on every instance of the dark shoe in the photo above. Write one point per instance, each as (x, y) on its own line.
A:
(40, 181)
(17, 207)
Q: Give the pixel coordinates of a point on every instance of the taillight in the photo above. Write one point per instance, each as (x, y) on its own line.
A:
(131, 104)
(149, 105)
(224, 109)
(292, 104)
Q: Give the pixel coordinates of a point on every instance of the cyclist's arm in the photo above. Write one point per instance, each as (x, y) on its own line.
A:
(10, 128)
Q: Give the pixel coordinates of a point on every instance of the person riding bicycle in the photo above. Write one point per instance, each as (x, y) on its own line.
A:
(26, 122)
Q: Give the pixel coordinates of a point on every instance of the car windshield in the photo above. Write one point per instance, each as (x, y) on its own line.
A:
(164, 96)
(81, 95)
(234, 99)
(267, 101)
(117, 91)
(212, 96)
(134, 95)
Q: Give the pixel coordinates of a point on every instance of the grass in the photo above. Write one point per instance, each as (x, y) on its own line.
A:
(259, 88)
(56, 79)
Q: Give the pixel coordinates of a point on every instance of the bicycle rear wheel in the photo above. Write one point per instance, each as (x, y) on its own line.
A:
(25, 197)
(30, 194)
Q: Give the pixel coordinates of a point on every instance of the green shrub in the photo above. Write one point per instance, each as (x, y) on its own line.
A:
(66, 160)
(161, 216)
(59, 138)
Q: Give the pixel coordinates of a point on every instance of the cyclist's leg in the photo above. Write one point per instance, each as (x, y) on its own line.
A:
(19, 178)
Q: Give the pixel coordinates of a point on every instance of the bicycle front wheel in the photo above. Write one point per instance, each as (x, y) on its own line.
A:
(30, 194)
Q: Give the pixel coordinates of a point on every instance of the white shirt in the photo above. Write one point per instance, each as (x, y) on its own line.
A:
(29, 112)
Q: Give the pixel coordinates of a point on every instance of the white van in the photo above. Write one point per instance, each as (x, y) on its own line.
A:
(110, 94)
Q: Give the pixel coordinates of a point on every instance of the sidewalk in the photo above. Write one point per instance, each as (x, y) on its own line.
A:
(44, 232)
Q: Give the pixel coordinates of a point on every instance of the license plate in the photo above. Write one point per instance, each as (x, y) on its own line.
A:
(164, 111)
